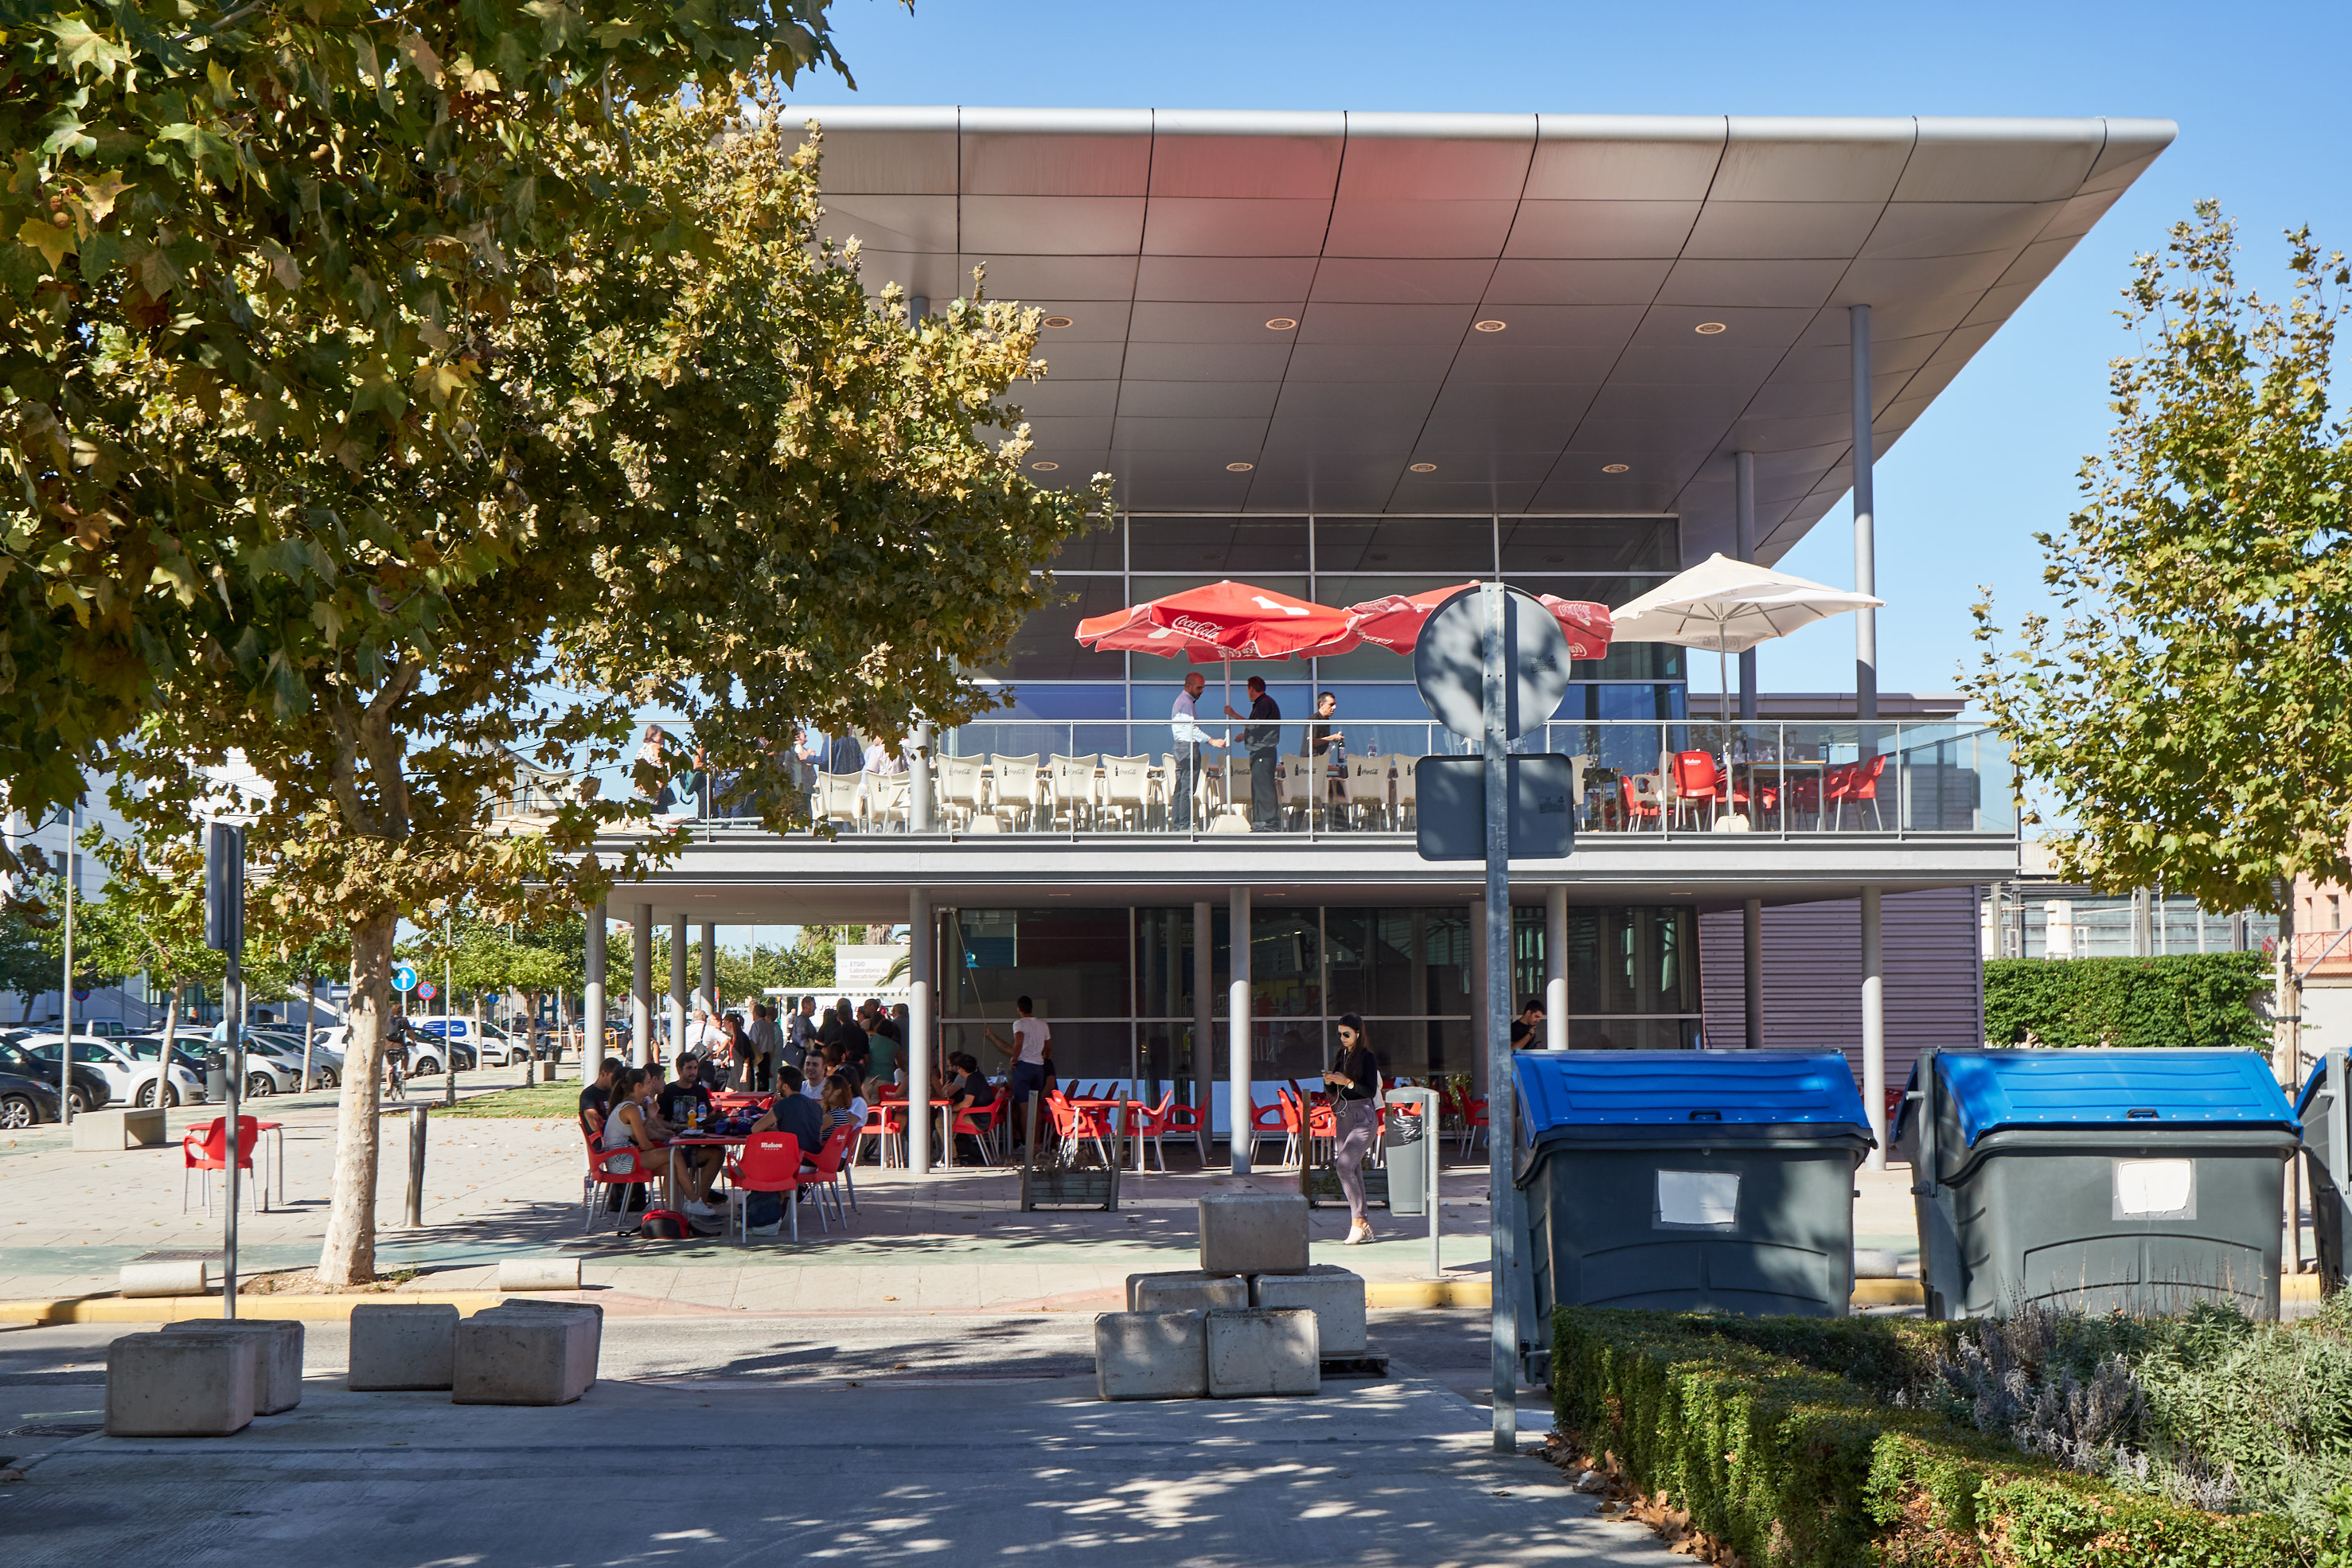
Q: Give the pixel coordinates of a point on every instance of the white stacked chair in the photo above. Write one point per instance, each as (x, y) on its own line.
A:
(1368, 790)
(1016, 789)
(1072, 780)
(960, 785)
(1126, 788)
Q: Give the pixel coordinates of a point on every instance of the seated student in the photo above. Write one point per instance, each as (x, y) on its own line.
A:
(968, 1091)
(632, 1125)
(686, 1103)
(596, 1099)
(842, 1104)
(793, 1112)
(684, 1107)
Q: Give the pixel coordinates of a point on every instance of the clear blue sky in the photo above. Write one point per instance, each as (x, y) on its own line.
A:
(1995, 459)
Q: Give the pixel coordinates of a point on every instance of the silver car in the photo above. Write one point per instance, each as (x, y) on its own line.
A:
(283, 1054)
(187, 1085)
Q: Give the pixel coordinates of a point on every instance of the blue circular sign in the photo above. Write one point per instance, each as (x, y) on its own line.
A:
(403, 977)
(81, 993)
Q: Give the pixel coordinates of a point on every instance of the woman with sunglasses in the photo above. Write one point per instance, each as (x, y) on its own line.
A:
(1354, 1080)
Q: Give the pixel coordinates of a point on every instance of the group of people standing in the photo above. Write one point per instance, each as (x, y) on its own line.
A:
(1260, 740)
(867, 1041)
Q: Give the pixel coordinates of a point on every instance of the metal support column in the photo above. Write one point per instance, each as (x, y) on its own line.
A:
(1503, 1194)
(1865, 520)
(1204, 1021)
(1480, 1023)
(677, 988)
(1237, 1028)
(1751, 949)
(641, 985)
(1555, 970)
(592, 1031)
(922, 814)
(1874, 1028)
(1744, 546)
(921, 928)
(710, 967)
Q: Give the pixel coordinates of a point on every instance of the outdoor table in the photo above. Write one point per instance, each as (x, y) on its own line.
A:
(697, 1140)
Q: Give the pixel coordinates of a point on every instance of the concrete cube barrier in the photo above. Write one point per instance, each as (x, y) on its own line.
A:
(1187, 1292)
(1151, 1355)
(278, 1346)
(588, 1311)
(402, 1347)
(1336, 1296)
(180, 1385)
(1254, 1233)
(1263, 1351)
(539, 1274)
(506, 1357)
(190, 1278)
(112, 1131)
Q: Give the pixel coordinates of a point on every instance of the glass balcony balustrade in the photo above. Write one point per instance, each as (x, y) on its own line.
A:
(1631, 778)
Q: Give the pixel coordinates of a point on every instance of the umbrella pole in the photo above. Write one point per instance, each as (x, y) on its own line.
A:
(1229, 733)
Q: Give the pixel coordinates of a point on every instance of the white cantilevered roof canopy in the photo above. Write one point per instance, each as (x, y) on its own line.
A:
(1671, 290)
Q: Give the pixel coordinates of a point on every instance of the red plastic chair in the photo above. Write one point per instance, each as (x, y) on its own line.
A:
(1860, 783)
(1294, 1127)
(825, 1173)
(610, 1168)
(205, 1149)
(769, 1163)
(1266, 1122)
(1639, 808)
(1697, 781)
(1156, 1122)
(885, 1121)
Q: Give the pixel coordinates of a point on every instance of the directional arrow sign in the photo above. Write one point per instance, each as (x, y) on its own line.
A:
(403, 977)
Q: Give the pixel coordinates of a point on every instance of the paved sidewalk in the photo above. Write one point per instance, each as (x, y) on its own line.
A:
(494, 1188)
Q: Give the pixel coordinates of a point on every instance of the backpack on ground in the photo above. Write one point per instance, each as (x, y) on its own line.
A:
(764, 1213)
(664, 1225)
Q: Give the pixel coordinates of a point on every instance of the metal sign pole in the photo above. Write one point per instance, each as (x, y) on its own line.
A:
(225, 932)
(66, 996)
(1500, 1120)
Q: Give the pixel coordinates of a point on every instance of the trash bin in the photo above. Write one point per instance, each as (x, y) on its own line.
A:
(2323, 1106)
(1404, 1155)
(1690, 1180)
(2140, 1181)
(217, 1075)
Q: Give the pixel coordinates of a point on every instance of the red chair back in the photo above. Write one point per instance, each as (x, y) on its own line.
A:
(769, 1163)
(1862, 779)
(206, 1148)
(1694, 775)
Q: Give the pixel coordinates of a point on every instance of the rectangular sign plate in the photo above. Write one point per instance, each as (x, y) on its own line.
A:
(1453, 810)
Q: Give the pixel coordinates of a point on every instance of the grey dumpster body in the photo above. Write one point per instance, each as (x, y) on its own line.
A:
(2138, 1181)
(1690, 1180)
(2323, 1107)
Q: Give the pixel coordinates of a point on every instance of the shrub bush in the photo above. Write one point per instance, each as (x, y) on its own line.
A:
(2187, 999)
(1744, 1423)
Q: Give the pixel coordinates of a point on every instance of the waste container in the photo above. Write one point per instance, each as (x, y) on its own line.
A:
(2140, 1181)
(2323, 1108)
(1689, 1180)
(1404, 1155)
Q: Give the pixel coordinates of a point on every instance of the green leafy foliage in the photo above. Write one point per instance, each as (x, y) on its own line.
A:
(2185, 999)
(2192, 709)
(1753, 1426)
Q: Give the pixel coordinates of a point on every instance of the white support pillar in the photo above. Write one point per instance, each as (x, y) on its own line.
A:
(710, 967)
(677, 988)
(1556, 969)
(592, 1031)
(1237, 1026)
(1865, 523)
(920, 930)
(641, 985)
(923, 814)
(1874, 1028)
(1744, 549)
(1204, 1020)
(1751, 952)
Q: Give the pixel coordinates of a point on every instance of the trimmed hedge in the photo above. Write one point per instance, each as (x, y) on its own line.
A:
(1793, 1466)
(2187, 999)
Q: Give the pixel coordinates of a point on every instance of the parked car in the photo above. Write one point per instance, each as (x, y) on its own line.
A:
(187, 1085)
(106, 1057)
(493, 1047)
(26, 1101)
(91, 1089)
(326, 1067)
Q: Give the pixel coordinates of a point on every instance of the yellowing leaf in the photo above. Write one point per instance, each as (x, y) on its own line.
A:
(100, 196)
(47, 238)
(420, 54)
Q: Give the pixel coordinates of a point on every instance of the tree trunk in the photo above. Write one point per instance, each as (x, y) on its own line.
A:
(164, 1053)
(348, 1256)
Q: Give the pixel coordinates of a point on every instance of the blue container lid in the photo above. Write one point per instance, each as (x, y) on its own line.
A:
(1993, 1090)
(2311, 1086)
(1684, 1089)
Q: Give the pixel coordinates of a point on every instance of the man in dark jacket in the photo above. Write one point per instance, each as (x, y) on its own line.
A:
(1264, 741)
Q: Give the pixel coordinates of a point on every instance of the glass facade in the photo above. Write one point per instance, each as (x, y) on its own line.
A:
(1118, 985)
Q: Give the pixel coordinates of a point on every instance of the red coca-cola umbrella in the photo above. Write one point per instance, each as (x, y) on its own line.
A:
(1222, 621)
(1394, 621)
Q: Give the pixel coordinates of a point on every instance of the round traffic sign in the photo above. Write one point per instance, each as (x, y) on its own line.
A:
(1449, 663)
(428, 990)
(403, 977)
(81, 993)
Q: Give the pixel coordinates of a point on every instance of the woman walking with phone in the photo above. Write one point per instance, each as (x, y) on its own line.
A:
(1354, 1080)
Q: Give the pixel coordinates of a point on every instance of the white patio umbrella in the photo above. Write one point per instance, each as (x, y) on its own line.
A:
(1731, 606)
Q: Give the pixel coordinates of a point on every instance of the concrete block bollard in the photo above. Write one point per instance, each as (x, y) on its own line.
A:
(1189, 1292)
(539, 1274)
(112, 1131)
(278, 1346)
(1336, 1296)
(1254, 1233)
(528, 1357)
(402, 1347)
(588, 1310)
(1151, 1355)
(180, 1385)
(1877, 1263)
(1263, 1351)
(192, 1278)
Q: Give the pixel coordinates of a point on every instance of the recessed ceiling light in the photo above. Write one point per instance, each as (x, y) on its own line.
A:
(1491, 326)
(1280, 324)
(1616, 467)
(1239, 467)
(1709, 329)
(1057, 320)
(1045, 467)
(1425, 468)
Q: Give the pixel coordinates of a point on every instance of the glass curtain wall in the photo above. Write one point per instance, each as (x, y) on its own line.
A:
(1337, 561)
(1118, 986)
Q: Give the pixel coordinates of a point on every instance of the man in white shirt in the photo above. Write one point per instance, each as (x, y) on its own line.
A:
(1030, 1040)
(1185, 718)
(882, 759)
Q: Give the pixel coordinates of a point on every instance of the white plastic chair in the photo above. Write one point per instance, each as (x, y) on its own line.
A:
(960, 785)
(837, 798)
(1126, 788)
(1072, 780)
(1016, 788)
(1298, 790)
(889, 797)
(1368, 789)
(1408, 795)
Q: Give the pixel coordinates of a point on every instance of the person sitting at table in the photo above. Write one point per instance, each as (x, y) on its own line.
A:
(634, 1125)
(794, 1113)
(842, 1104)
(685, 1109)
(596, 1099)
